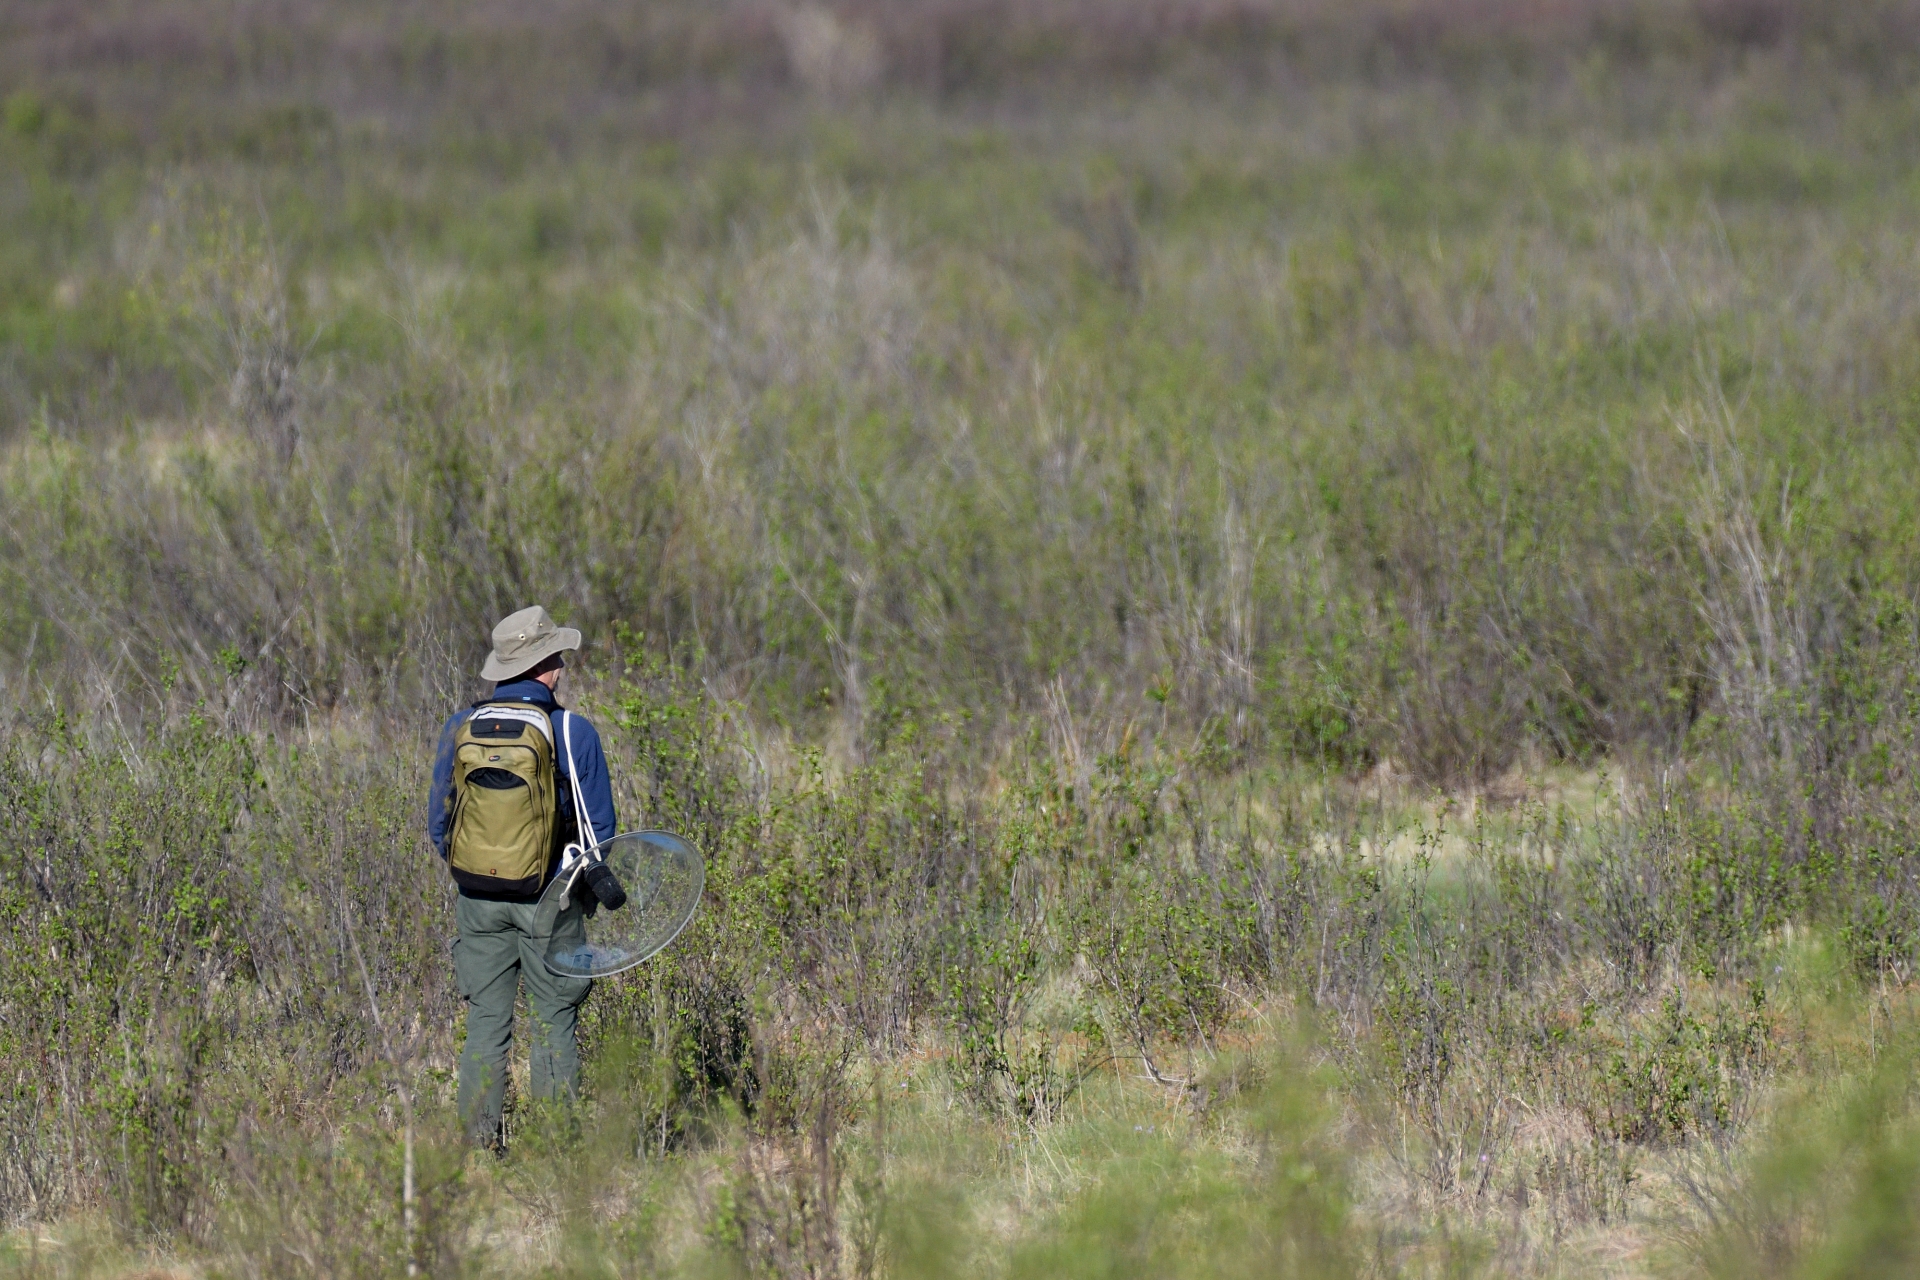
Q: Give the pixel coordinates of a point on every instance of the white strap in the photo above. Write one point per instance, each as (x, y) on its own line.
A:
(588, 841)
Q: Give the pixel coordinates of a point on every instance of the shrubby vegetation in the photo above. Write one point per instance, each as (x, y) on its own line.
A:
(1290, 629)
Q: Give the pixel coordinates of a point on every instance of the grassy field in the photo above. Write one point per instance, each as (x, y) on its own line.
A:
(1290, 628)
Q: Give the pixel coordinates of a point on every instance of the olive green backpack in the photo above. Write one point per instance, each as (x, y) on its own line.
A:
(503, 809)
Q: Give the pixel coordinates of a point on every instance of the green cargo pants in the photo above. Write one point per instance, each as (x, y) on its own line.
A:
(498, 948)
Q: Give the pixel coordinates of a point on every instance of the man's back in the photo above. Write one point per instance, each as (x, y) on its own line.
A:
(577, 756)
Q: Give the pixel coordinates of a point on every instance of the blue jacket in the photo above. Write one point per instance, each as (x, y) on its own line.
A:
(596, 788)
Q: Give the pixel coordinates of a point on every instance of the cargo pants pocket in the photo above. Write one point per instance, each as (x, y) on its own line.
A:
(558, 989)
(461, 987)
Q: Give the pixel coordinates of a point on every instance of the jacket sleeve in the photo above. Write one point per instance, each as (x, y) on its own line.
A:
(441, 791)
(596, 787)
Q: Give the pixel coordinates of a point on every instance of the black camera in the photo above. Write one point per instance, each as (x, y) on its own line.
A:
(606, 886)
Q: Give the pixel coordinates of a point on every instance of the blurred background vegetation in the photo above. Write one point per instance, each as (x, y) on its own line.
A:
(1291, 627)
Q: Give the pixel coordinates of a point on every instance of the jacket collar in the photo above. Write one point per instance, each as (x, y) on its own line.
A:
(522, 691)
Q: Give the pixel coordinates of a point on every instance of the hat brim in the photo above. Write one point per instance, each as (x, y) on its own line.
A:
(563, 640)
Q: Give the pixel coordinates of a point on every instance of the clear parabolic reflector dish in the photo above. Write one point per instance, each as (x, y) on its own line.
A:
(663, 876)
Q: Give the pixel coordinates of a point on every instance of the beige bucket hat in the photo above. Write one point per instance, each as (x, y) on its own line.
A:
(523, 640)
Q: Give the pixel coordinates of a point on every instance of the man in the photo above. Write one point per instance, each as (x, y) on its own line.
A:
(509, 780)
